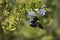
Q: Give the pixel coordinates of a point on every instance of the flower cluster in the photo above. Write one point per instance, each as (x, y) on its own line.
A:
(32, 14)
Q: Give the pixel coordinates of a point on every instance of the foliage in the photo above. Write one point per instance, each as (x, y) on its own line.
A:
(14, 23)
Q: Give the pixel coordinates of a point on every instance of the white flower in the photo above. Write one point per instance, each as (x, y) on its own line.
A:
(43, 6)
(36, 9)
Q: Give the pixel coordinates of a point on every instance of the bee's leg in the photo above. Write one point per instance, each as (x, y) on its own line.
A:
(39, 25)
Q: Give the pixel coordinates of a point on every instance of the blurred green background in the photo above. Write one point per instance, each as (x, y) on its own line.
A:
(14, 23)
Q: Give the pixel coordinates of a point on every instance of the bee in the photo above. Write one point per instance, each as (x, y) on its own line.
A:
(35, 23)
